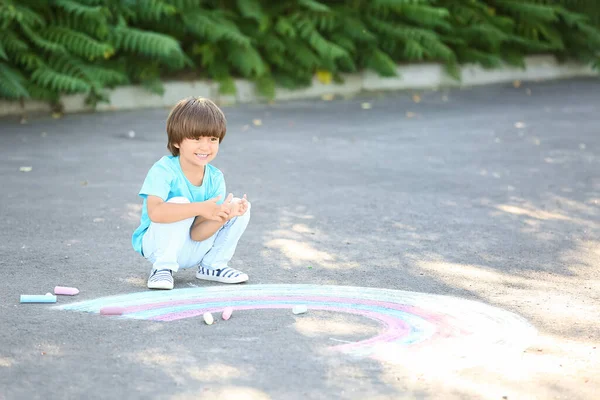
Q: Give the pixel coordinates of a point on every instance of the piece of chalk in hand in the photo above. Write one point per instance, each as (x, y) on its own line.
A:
(112, 310)
(227, 313)
(208, 318)
(299, 309)
(69, 291)
(37, 298)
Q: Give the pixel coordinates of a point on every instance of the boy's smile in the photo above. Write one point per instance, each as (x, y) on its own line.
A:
(198, 152)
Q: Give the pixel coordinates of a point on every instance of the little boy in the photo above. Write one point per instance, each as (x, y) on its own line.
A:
(187, 220)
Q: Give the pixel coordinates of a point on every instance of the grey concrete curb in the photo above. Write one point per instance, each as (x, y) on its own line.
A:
(414, 76)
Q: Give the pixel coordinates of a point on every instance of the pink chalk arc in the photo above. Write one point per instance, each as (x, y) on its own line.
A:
(412, 322)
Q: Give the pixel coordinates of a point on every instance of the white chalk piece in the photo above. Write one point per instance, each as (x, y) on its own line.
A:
(112, 310)
(299, 309)
(227, 313)
(37, 298)
(208, 318)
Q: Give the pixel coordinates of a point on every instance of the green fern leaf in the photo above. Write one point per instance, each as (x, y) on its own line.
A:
(93, 2)
(58, 82)
(413, 50)
(346, 64)
(207, 27)
(154, 85)
(314, 5)
(356, 30)
(272, 44)
(326, 48)
(326, 22)
(25, 16)
(3, 54)
(153, 10)
(248, 61)
(487, 60)
(90, 12)
(104, 76)
(344, 42)
(453, 70)
(303, 55)
(28, 61)
(394, 5)
(78, 43)
(95, 75)
(41, 42)
(94, 27)
(41, 93)
(592, 36)
(382, 63)
(426, 16)
(148, 43)
(11, 83)
(186, 4)
(285, 27)
(527, 11)
(265, 85)
(227, 85)
(251, 9)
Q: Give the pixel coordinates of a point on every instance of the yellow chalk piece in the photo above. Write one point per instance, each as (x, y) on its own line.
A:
(517, 84)
(324, 77)
(366, 106)
(416, 98)
(327, 97)
(25, 169)
(208, 318)
(257, 122)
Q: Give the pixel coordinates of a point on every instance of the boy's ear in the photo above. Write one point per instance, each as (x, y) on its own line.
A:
(176, 145)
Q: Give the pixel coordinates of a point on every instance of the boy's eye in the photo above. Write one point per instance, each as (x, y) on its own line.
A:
(214, 139)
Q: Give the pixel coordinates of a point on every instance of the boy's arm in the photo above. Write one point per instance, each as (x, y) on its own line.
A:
(163, 212)
(203, 228)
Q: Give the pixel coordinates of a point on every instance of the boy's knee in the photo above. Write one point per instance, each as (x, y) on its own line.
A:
(179, 200)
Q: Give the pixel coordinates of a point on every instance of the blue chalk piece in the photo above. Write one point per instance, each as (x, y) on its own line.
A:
(37, 298)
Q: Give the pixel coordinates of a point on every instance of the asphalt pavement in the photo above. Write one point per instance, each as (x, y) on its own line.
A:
(489, 194)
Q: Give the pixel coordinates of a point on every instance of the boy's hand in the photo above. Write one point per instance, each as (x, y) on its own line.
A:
(236, 208)
(217, 212)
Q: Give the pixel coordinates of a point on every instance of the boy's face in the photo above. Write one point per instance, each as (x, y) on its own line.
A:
(198, 151)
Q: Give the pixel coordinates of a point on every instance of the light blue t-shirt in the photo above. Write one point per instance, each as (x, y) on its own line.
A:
(166, 180)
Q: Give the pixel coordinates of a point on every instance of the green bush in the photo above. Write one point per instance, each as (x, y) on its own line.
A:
(49, 48)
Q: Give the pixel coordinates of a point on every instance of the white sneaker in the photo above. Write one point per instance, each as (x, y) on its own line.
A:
(161, 279)
(224, 275)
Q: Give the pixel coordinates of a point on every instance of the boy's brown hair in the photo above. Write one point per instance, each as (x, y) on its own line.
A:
(192, 118)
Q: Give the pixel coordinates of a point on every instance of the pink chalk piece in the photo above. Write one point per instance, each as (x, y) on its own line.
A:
(69, 291)
(112, 310)
(227, 313)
